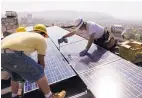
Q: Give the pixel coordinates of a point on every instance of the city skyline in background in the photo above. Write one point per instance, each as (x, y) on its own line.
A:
(126, 10)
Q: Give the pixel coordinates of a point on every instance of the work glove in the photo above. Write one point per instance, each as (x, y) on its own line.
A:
(62, 40)
(83, 53)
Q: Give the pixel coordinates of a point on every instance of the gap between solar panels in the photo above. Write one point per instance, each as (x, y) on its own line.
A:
(57, 69)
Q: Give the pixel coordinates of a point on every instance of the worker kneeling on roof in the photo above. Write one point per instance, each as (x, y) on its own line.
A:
(97, 34)
(13, 59)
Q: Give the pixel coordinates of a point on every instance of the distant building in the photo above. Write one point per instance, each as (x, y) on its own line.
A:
(9, 23)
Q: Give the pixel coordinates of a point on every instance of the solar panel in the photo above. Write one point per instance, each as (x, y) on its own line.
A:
(56, 33)
(57, 69)
(96, 57)
(120, 79)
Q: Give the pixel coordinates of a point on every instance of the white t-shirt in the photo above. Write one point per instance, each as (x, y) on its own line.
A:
(92, 27)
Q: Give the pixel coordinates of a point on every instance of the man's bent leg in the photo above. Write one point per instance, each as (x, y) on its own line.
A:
(43, 85)
(14, 84)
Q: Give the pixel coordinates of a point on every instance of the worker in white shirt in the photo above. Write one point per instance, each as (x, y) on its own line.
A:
(97, 34)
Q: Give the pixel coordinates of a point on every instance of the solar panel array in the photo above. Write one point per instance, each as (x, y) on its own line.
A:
(57, 68)
(106, 74)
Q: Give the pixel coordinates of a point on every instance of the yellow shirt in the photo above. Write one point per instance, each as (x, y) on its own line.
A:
(27, 42)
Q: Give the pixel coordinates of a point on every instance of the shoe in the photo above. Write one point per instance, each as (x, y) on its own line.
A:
(61, 94)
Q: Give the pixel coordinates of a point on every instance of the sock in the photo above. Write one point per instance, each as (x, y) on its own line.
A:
(14, 95)
(48, 95)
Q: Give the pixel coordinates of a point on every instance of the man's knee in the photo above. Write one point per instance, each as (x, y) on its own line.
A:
(43, 78)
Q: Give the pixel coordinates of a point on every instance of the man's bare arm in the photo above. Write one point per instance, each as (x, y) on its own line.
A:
(90, 41)
(69, 34)
(67, 26)
(41, 60)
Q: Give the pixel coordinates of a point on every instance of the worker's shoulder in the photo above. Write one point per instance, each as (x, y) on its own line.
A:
(92, 24)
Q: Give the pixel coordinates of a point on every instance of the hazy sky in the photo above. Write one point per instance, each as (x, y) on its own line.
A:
(118, 9)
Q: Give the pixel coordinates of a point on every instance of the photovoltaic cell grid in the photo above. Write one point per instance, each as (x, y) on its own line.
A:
(120, 79)
(56, 33)
(57, 69)
(96, 56)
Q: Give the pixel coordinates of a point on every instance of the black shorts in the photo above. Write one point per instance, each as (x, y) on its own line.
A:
(100, 42)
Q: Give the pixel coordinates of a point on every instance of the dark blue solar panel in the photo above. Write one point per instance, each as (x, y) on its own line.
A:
(57, 69)
(96, 56)
(118, 79)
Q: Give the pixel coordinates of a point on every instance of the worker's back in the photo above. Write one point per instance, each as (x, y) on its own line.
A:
(27, 42)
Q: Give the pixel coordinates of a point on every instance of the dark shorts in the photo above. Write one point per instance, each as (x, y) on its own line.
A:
(23, 65)
(100, 42)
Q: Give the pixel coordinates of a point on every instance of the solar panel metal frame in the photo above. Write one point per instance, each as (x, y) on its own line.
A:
(125, 74)
(96, 57)
(55, 62)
